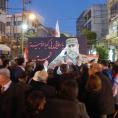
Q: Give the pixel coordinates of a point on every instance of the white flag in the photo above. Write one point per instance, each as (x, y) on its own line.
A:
(57, 31)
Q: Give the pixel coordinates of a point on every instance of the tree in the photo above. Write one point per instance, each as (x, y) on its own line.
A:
(103, 52)
(90, 36)
(66, 35)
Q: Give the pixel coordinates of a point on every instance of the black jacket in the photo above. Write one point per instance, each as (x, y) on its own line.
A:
(12, 101)
(101, 102)
(48, 90)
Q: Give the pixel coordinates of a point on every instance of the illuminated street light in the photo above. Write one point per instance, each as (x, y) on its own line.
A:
(32, 16)
(24, 27)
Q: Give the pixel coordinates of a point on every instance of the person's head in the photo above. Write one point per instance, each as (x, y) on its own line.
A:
(35, 100)
(20, 61)
(41, 76)
(50, 73)
(4, 62)
(94, 83)
(39, 67)
(12, 63)
(72, 46)
(105, 63)
(1, 62)
(68, 89)
(95, 67)
(4, 76)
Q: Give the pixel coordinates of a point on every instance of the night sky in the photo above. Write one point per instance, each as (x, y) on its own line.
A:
(66, 11)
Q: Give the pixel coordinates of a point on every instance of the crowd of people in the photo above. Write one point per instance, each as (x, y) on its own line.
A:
(81, 90)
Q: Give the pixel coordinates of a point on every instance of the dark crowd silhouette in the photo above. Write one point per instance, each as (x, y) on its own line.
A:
(34, 90)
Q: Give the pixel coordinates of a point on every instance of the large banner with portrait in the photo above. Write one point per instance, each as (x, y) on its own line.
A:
(41, 49)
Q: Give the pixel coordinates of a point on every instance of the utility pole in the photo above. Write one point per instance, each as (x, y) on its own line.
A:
(22, 38)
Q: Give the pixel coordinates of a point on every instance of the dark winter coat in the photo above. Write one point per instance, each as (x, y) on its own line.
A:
(12, 101)
(101, 102)
(48, 91)
(62, 108)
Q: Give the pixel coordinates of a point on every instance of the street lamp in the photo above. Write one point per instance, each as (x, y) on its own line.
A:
(24, 28)
(32, 16)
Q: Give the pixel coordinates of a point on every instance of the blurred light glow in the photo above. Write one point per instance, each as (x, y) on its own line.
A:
(24, 27)
(32, 16)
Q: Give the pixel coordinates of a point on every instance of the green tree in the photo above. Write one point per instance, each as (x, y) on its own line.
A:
(90, 36)
(103, 52)
(63, 35)
(66, 35)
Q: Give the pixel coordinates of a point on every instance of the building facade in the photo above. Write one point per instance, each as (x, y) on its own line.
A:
(94, 19)
(3, 5)
(14, 26)
(2, 18)
(113, 19)
(17, 24)
(112, 36)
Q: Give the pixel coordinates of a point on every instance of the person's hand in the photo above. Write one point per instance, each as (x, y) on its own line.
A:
(69, 61)
(63, 52)
(46, 63)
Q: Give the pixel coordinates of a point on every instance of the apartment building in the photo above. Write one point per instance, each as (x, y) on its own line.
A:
(95, 19)
(2, 18)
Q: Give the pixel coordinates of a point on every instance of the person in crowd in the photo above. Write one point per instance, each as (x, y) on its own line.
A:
(82, 80)
(12, 66)
(2, 58)
(98, 95)
(106, 70)
(4, 62)
(19, 72)
(39, 67)
(115, 84)
(78, 61)
(1, 63)
(35, 104)
(11, 96)
(36, 66)
(39, 82)
(30, 67)
(66, 104)
(62, 70)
